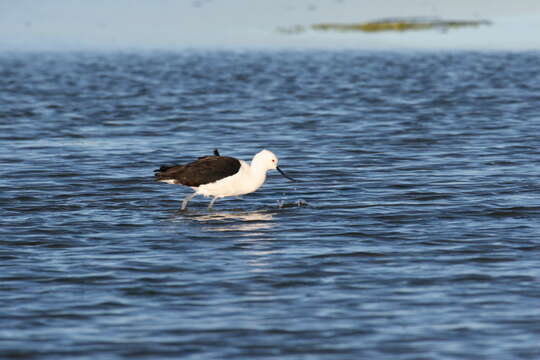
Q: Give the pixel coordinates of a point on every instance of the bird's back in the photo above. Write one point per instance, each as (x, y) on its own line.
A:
(202, 171)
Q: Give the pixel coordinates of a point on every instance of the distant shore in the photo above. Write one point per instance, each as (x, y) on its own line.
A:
(393, 24)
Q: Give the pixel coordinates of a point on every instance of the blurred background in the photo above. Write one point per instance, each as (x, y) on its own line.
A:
(167, 24)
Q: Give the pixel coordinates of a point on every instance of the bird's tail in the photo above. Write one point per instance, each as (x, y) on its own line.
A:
(163, 173)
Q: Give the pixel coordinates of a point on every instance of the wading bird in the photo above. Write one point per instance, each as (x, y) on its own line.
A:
(220, 176)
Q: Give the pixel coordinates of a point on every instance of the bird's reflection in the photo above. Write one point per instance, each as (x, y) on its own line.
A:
(249, 230)
(250, 222)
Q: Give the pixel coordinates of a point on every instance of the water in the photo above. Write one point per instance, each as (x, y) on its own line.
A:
(414, 233)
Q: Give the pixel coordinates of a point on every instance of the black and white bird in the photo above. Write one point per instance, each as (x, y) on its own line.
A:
(220, 176)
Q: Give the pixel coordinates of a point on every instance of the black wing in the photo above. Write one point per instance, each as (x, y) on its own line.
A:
(203, 171)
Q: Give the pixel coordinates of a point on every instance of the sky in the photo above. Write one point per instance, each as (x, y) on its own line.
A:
(179, 24)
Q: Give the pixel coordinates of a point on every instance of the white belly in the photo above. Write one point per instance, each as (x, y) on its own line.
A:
(243, 182)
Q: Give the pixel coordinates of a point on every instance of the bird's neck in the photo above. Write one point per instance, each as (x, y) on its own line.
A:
(258, 174)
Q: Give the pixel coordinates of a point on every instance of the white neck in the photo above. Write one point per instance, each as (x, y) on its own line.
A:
(258, 173)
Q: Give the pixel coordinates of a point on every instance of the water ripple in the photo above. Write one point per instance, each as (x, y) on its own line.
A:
(413, 232)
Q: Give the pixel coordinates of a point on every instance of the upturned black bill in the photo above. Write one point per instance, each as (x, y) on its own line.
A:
(282, 173)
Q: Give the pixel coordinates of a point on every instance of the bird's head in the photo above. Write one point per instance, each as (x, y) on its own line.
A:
(269, 161)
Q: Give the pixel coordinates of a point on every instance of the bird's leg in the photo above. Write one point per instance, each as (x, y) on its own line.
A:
(186, 200)
(212, 203)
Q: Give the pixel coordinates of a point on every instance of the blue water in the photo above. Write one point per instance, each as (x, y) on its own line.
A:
(413, 234)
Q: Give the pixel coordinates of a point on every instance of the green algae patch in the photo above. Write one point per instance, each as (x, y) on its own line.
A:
(397, 24)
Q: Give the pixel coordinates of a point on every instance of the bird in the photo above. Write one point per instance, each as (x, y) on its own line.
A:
(220, 176)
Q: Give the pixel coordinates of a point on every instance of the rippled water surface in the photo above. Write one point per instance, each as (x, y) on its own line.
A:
(413, 234)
